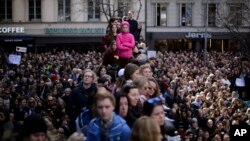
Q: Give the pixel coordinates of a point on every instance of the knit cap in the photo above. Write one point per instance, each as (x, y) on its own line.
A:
(33, 124)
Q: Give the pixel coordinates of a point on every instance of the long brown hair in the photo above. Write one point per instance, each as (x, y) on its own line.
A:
(157, 91)
(145, 129)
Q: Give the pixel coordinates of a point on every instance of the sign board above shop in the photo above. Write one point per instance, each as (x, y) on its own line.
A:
(11, 30)
(198, 35)
(84, 31)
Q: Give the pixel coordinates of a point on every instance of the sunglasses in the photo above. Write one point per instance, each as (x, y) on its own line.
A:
(154, 100)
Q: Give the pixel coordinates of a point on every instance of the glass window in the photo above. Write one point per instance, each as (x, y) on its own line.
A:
(123, 8)
(211, 15)
(34, 10)
(94, 10)
(186, 14)
(63, 10)
(235, 14)
(161, 14)
(5, 10)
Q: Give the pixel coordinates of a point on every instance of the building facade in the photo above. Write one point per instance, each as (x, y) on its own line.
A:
(60, 23)
(180, 24)
(167, 24)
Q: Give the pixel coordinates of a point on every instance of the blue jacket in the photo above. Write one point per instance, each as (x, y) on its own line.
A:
(119, 130)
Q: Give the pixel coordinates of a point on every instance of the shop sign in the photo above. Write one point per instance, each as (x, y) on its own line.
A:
(198, 35)
(9, 30)
(74, 31)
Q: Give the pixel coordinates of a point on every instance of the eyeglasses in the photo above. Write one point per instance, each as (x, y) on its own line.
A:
(154, 100)
(149, 88)
(152, 88)
(88, 76)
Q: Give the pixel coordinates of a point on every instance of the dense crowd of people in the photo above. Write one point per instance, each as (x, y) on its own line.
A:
(113, 95)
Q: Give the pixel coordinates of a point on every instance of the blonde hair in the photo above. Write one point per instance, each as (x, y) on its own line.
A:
(76, 137)
(141, 81)
(143, 67)
(145, 129)
(92, 72)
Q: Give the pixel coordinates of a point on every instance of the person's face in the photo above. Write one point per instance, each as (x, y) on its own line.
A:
(105, 109)
(158, 114)
(144, 89)
(217, 138)
(125, 28)
(50, 100)
(135, 75)
(152, 88)
(61, 131)
(103, 71)
(130, 15)
(206, 135)
(24, 103)
(133, 96)
(88, 78)
(147, 72)
(123, 107)
(114, 28)
(67, 92)
(38, 137)
(226, 138)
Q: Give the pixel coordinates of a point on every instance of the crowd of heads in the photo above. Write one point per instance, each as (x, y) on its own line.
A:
(200, 99)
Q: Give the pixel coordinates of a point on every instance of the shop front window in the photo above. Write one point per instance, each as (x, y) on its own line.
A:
(174, 45)
(186, 14)
(5, 10)
(63, 10)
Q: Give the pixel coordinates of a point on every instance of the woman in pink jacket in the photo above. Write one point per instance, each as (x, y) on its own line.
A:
(125, 43)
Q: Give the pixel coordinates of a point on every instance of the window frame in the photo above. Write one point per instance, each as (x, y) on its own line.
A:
(94, 11)
(66, 7)
(7, 9)
(186, 16)
(237, 18)
(211, 23)
(158, 22)
(35, 12)
(124, 9)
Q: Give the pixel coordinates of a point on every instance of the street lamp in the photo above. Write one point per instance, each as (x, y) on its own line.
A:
(206, 25)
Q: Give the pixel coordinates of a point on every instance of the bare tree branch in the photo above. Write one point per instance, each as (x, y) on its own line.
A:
(103, 10)
(231, 23)
(139, 10)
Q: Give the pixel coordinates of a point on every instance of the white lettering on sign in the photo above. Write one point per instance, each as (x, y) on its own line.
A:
(198, 35)
(240, 132)
(11, 29)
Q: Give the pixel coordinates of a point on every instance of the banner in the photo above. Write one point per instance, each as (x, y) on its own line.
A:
(151, 53)
(14, 59)
(21, 49)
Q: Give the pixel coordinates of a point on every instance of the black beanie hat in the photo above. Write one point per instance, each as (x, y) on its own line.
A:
(33, 124)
